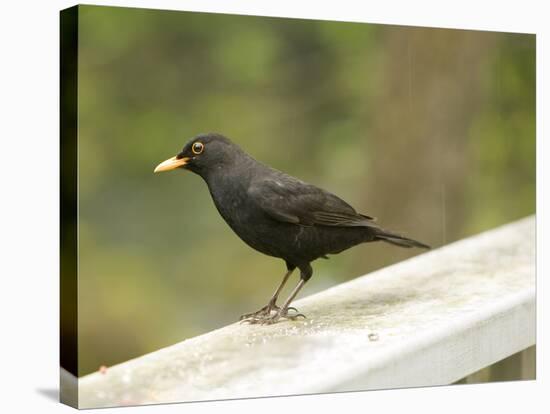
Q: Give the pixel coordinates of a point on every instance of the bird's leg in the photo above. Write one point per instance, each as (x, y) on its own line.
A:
(305, 274)
(272, 304)
(283, 312)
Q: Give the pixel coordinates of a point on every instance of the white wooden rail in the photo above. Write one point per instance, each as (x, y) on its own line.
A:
(429, 320)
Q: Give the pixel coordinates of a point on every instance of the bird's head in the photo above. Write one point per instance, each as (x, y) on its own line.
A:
(202, 154)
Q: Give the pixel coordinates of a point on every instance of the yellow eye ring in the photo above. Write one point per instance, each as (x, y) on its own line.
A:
(197, 148)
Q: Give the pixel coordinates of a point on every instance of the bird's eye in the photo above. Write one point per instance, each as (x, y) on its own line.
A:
(197, 148)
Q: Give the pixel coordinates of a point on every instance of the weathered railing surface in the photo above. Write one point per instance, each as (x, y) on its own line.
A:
(429, 320)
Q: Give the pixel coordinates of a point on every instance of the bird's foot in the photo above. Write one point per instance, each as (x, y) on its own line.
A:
(268, 319)
(263, 312)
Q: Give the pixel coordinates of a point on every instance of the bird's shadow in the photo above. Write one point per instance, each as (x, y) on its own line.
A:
(50, 393)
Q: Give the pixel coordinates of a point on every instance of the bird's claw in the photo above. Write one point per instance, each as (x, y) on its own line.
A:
(268, 319)
(263, 312)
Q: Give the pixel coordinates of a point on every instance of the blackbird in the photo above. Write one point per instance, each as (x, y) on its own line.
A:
(277, 214)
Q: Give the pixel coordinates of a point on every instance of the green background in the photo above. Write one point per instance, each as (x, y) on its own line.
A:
(430, 130)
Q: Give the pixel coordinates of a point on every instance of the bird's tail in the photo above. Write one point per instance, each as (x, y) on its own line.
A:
(398, 240)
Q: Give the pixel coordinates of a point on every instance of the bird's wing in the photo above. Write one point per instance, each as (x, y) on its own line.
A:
(290, 200)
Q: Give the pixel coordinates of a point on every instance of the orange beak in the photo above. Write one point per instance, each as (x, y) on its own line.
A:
(171, 164)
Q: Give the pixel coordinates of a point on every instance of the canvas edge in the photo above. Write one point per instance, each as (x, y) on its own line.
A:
(68, 117)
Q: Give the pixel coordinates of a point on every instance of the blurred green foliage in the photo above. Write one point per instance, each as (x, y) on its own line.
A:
(430, 130)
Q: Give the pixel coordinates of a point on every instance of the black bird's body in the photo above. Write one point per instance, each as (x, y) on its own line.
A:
(277, 214)
(250, 210)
